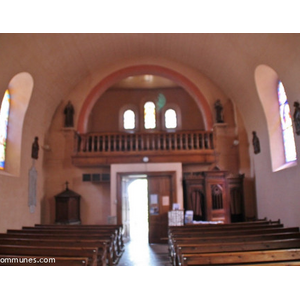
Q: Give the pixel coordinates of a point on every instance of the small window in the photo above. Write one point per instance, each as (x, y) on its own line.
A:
(170, 119)
(4, 115)
(286, 125)
(149, 115)
(129, 119)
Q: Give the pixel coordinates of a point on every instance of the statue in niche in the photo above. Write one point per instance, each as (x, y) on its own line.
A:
(35, 148)
(255, 142)
(297, 117)
(219, 112)
(69, 113)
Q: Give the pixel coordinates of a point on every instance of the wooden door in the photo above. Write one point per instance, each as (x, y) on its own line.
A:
(125, 207)
(160, 197)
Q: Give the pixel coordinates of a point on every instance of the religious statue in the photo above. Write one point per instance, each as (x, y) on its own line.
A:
(255, 142)
(35, 148)
(219, 112)
(69, 113)
(297, 117)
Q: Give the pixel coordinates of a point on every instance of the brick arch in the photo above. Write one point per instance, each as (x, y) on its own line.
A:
(116, 76)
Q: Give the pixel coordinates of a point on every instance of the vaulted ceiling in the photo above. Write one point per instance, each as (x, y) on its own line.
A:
(58, 62)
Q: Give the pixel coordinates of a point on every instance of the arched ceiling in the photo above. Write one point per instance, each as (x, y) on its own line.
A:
(58, 62)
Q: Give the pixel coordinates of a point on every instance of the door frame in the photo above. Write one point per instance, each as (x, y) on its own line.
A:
(172, 174)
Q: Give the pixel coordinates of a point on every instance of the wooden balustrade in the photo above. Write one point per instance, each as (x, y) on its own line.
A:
(102, 146)
(120, 142)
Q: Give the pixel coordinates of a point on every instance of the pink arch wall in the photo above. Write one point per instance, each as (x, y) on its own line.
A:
(116, 76)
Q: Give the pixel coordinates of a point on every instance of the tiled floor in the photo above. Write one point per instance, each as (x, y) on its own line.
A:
(140, 253)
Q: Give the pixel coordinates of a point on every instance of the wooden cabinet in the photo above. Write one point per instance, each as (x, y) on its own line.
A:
(236, 194)
(67, 207)
(214, 196)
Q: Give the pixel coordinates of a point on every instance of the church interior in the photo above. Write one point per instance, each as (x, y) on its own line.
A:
(111, 144)
(96, 126)
(102, 76)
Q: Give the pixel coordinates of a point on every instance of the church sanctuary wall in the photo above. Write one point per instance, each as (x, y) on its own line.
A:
(94, 204)
(105, 114)
(105, 117)
(277, 191)
(14, 197)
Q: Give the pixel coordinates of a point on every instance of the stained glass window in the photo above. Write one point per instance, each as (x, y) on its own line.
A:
(129, 119)
(4, 114)
(149, 115)
(286, 125)
(170, 119)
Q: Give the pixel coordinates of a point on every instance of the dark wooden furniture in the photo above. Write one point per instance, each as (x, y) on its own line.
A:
(106, 239)
(67, 207)
(243, 258)
(43, 251)
(214, 196)
(248, 243)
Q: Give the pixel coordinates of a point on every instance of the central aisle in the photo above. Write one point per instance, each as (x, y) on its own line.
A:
(140, 253)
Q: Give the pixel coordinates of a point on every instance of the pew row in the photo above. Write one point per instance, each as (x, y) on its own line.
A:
(105, 245)
(118, 227)
(200, 239)
(21, 260)
(182, 250)
(282, 256)
(225, 236)
(114, 232)
(74, 235)
(103, 257)
(41, 251)
(197, 227)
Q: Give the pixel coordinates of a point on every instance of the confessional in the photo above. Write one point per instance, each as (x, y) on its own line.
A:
(214, 196)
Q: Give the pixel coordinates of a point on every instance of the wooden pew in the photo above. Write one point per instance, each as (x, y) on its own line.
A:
(112, 256)
(283, 256)
(181, 250)
(103, 232)
(223, 235)
(199, 227)
(41, 251)
(74, 234)
(119, 228)
(19, 260)
(213, 230)
(102, 260)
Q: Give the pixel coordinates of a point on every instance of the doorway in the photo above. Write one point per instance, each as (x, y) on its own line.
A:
(138, 210)
(145, 202)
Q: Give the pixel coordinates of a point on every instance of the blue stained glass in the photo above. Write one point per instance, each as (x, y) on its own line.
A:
(4, 114)
(286, 125)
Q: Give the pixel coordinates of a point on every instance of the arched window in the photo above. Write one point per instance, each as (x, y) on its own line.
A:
(20, 89)
(170, 119)
(286, 125)
(4, 115)
(149, 115)
(129, 119)
(275, 106)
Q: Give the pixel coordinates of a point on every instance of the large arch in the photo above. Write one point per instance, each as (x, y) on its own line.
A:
(118, 75)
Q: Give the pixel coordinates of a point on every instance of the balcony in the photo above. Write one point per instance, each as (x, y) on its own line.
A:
(103, 149)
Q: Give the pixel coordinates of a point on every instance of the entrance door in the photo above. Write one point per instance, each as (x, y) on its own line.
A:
(160, 197)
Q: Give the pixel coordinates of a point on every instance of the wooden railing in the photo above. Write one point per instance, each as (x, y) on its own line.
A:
(96, 149)
(139, 142)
